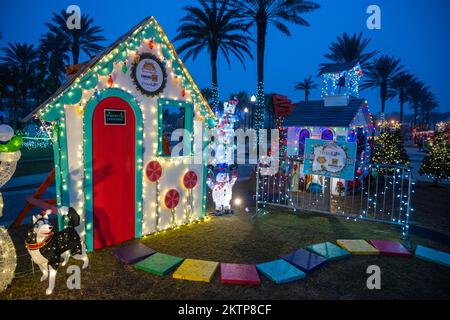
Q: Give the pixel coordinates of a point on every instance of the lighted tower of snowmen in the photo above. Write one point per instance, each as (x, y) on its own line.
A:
(222, 172)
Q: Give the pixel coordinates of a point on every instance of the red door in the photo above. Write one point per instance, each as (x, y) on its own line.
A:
(113, 164)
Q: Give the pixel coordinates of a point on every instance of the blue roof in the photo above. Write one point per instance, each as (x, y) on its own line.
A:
(315, 114)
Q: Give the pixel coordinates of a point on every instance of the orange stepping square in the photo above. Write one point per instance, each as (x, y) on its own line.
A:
(358, 247)
(196, 270)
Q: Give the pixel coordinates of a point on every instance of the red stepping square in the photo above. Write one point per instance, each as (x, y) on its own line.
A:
(231, 273)
(390, 248)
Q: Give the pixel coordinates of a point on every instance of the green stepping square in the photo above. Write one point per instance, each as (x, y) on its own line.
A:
(159, 264)
(329, 251)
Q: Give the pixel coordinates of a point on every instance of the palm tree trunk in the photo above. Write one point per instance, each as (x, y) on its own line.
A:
(261, 45)
(416, 111)
(401, 111)
(215, 82)
(75, 53)
(306, 95)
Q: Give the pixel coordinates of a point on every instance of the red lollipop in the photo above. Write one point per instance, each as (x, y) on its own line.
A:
(190, 179)
(172, 198)
(153, 171)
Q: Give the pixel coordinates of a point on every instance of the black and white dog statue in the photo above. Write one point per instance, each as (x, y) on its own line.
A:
(48, 248)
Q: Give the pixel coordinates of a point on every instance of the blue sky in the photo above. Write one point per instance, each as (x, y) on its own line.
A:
(415, 31)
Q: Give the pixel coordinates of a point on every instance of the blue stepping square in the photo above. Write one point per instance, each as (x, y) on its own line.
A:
(305, 260)
(433, 255)
(280, 271)
(329, 251)
(132, 253)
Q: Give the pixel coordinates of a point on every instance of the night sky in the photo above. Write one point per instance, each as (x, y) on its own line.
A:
(416, 31)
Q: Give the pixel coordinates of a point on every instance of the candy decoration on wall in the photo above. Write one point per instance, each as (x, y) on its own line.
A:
(171, 201)
(124, 67)
(183, 92)
(110, 81)
(151, 44)
(153, 171)
(190, 181)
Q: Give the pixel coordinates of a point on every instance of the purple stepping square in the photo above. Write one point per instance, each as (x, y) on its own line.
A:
(132, 253)
(231, 273)
(305, 260)
(390, 248)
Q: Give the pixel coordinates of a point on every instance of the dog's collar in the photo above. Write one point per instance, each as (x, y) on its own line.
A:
(37, 245)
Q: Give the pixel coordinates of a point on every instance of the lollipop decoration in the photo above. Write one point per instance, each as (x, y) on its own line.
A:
(171, 201)
(153, 171)
(190, 181)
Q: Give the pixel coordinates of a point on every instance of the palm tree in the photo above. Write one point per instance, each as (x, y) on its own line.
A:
(52, 60)
(216, 28)
(307, 85)
(20, 59)
(261, 13)
(401, 83)
(349, 49)
(379, 74)
(415, 92)
(428, 103)
(75, 40)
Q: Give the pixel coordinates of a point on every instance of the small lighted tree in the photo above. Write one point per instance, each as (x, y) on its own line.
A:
(437, 161)
(389, 148)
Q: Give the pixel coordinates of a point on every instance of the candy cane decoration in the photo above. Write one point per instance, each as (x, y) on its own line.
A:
(171, 201)
(189, 182)
(153, 172)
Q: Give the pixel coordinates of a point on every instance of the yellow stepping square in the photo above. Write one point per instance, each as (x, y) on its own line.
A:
(196, 270)
(358, 247)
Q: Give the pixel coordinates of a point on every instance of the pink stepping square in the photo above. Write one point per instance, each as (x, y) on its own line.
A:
(231, 273)
(390, 248)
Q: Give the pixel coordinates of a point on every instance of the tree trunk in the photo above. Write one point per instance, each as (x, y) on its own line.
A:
(416, 111)
(401, 111)
(261, 45)
(306, 95)
(215, 82)
(75, 53)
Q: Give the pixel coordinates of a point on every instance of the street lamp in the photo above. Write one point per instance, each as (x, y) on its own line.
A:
(253, 98)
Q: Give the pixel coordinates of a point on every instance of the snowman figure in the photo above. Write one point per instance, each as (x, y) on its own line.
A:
(223, 181)
(221, 185)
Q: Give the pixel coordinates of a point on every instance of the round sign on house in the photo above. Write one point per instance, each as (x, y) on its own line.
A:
(149, 74)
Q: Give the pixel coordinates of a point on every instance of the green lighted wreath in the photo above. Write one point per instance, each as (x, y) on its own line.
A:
(136, 81)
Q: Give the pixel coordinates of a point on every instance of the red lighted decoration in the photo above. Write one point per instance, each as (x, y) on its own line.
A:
(190, 179)
(153, 171)
(172, 198)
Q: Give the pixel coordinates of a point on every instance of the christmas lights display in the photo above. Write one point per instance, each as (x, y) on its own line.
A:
(34, 137)
(222, 173)
(8, 259)
(389, 148)
(123, 94)
(342, 82)
(9, 155)
(436, 163)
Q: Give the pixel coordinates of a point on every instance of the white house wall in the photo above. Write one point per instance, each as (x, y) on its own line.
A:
(172, 174)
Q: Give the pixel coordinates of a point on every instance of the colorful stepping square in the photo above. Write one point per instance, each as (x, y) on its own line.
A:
(231, 273)
(390, 248)
(159, 264)
(305, 260)
(329, 251)
(196, 270)
(280, 271)
(132, 253)
(358, 247)
(433, 255)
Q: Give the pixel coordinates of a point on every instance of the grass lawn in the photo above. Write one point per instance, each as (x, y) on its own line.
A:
(35, 161)
(241, 239)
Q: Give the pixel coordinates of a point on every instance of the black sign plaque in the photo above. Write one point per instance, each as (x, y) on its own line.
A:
(115, 117)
